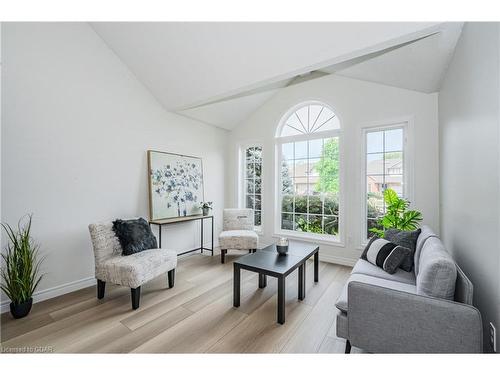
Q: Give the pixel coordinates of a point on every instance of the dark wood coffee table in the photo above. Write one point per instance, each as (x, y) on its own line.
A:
(267, 262)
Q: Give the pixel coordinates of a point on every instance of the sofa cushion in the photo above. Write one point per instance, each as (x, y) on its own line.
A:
(341, 303)
(134, 235)
(238, 240)
(365, 268)
(425, 234)
(384, 254)
(136, 269)
(406, 239)
(437, 273)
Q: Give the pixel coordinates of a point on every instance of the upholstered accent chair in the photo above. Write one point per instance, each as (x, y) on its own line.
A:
(132, 270)
(238, 231)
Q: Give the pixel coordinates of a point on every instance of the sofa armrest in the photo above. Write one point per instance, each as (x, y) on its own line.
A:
(383, 320)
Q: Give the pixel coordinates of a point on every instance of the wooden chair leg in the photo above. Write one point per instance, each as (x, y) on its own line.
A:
(223, 256)
(171, 278)
(136, 296)
(347, 347)
(101, 287)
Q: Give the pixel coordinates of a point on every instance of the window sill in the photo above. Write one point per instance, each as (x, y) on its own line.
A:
(311, 237)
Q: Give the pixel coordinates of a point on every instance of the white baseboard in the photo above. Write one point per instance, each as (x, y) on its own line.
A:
(337, 259)
(43, 295)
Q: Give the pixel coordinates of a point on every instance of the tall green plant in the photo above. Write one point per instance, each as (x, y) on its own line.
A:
(20, 274)
(397, 214)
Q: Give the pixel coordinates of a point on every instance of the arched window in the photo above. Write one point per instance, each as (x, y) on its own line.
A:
(308, 145)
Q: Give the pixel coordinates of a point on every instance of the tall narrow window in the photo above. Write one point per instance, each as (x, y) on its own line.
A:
(253, 182)
(384, 166)
(309, 181)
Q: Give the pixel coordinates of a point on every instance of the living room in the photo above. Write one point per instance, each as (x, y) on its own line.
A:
(250, 187)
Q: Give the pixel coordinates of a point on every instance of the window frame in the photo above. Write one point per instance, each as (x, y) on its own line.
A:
(242, 178)
(405, 123)
(336, 240)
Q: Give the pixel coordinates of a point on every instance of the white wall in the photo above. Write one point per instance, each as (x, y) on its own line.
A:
(76, 127)
(357, 103)
(469, 154)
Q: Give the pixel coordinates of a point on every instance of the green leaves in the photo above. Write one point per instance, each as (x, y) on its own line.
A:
(20, 275)
(397, 214)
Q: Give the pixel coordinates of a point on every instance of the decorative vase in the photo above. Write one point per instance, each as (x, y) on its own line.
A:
(206, 211)
(282, 246)
(20, 310)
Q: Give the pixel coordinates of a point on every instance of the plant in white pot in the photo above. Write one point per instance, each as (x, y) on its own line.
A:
(206, 207)
(20, 273)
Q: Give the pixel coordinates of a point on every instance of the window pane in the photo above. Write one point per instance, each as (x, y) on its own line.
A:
(287, 203)
(374, 164)
(287, 168)
(257, 218)
(258, 169)
(250, 201)
(287, 151)
(375, 184)
(258, 154)
(331, 204)
(301, 150)
(395, 182)
(301, 223)
(371, 223)
(258, 186)
(324, 118)
(375, 205)
(257, 200)
(249, 186)
(374, 142)
(331, 225)
(301, 185)
(249, 153)
(394, 140)
(287, 221)
(303, 115)
(314, 112)
(301, 203)
(315, 148)
(315, 224)
(394, 163)
(315, 204)
(300, 168)
(312, 169)
(250, 170)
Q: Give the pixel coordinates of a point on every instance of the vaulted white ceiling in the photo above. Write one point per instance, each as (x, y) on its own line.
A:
(220, 73)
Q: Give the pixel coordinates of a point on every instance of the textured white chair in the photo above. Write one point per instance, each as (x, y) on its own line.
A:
(130, 270)
(238, 231)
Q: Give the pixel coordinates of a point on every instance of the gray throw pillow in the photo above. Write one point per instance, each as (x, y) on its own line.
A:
(406, 239)
(384, 254)
(134, 235)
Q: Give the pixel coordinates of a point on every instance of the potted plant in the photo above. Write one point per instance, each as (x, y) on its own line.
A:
(20, 274)
(397, 215)
(206, 207)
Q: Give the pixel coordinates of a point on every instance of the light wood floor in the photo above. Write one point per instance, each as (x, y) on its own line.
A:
(196, 316)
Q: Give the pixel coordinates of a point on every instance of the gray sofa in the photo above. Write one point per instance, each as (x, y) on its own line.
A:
(428, 310)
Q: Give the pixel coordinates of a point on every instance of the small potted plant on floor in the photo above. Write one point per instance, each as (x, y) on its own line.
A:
(20, 274)
(206, 207)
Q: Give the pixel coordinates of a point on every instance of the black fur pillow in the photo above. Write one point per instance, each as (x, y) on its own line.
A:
(134, 235)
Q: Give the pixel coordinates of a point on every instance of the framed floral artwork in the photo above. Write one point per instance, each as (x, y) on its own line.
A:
(175, 185)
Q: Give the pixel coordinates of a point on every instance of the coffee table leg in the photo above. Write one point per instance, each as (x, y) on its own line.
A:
(302, 281)
(236, 286)
(262, 280)
(316, 267)
(281, 300)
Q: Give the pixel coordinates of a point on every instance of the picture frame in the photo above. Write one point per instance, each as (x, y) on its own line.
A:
(175, 185)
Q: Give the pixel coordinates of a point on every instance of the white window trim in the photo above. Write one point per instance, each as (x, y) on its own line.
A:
(338, 240)
(408, 163)
(241, 181)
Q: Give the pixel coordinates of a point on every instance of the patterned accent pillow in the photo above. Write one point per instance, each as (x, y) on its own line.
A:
(385, 254)
(134, 235)
(406, 239)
